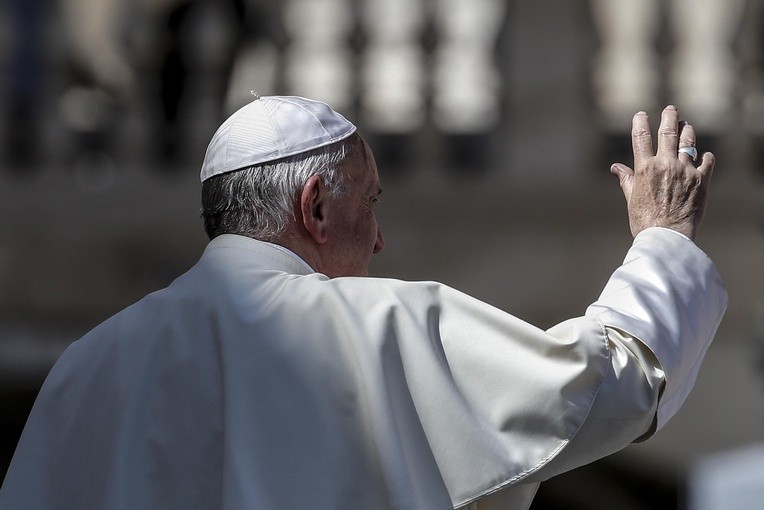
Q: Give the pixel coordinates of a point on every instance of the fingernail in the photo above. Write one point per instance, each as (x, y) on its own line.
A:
(640, 112)
(671, 106)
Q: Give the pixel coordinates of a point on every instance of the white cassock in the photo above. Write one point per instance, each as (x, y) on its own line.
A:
(252, 382)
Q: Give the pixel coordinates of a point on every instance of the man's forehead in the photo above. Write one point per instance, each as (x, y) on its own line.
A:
(361, 165)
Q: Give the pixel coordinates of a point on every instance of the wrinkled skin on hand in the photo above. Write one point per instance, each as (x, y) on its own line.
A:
(665, 189)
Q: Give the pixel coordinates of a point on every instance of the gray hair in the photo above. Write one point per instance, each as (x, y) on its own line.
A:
(258, 201)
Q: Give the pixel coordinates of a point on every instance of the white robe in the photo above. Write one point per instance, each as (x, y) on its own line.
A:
(253, 382)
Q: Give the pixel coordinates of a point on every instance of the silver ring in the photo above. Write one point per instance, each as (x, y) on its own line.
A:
(690, 151)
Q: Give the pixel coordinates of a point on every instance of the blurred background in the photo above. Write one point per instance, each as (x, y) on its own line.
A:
(494, 124)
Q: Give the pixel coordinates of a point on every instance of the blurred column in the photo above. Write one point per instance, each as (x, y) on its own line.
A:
(626, 67)
(466, 82)
(104, 80)
(318, 58)
(393, 70)
(704, 69)
(393, 78)
(93, 29)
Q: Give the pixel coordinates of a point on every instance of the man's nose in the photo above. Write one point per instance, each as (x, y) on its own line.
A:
(380, 241)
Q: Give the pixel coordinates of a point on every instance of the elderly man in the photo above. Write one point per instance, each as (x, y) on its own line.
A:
(275, 374)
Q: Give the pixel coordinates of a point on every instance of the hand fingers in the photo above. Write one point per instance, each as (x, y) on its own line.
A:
(625, 176)
(686, 139)
(707, 163)
(668, 132)
(686, 135)
(641, 140)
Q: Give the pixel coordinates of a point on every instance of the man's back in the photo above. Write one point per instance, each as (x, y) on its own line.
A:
(158, 406)
(249, 383)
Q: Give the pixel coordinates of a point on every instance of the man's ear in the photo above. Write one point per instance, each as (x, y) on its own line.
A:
(313, 208)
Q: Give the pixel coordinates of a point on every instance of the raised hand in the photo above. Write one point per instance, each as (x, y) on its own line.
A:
(665, 188)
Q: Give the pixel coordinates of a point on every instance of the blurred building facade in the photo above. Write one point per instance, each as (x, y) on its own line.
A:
(494, 123)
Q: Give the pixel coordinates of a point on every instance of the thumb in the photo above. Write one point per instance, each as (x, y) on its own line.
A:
(625, 176)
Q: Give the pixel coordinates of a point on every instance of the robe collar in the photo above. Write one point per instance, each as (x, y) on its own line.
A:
(281, 258)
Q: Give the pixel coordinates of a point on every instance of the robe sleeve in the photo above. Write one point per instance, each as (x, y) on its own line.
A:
(669, 295)
(660, 311)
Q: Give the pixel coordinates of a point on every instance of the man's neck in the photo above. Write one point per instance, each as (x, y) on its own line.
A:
(300, 247)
